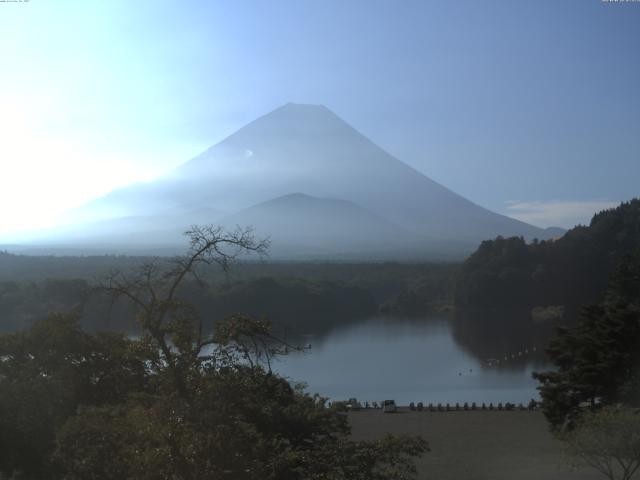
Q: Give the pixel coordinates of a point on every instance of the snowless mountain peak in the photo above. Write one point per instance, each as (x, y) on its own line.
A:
(309, 149)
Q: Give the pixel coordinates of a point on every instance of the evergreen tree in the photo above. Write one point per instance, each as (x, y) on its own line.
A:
(571, 271)
(598, 361)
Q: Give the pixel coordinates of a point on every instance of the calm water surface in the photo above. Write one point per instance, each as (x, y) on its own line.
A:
(405, 360)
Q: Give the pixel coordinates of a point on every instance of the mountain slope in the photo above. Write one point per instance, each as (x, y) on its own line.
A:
(307, 148)
(298, 224)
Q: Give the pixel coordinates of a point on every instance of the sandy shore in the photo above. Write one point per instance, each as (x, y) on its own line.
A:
(476, 445)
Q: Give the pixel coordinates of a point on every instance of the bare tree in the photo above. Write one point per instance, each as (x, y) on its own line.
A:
(250, 340)
(153, 290)
(608, 441)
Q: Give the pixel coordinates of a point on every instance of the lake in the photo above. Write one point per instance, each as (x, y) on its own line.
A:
(414, 360)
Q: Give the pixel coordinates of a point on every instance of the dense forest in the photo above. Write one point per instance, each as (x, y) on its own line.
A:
(598, 360)
(302, 297)
(570, 271)
(510, 295)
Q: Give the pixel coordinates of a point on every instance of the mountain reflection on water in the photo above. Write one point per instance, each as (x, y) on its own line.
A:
(508, 337)
(412, 360)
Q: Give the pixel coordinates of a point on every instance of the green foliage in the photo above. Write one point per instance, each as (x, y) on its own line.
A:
(291, 301)
(236, 429)
(571, 271)
(304, 297)
(80, 406)
(22, 302)
(175, 403)
(607, 440)
(598, 361)
(497, 274)
(429, 292)
(46, 373)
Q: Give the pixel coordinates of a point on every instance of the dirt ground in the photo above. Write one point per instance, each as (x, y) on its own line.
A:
(476, 445)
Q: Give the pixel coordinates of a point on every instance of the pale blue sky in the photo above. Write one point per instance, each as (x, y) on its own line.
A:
(530, 108)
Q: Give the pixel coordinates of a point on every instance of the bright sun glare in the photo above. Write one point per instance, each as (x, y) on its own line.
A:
(54, 175)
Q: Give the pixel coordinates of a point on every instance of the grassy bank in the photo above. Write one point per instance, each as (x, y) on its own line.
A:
(478, 445)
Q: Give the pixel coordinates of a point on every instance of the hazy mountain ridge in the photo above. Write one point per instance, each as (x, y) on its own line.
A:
(306, 149)
(302, 224)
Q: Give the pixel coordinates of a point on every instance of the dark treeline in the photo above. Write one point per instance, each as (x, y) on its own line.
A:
(303, 297)
(21, 268)
(510, 295)
(571, 271)
(380, 276)
(598, 360)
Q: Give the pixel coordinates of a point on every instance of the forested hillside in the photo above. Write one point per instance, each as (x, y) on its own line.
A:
(304, 297)
(597, 361)
(570, 271)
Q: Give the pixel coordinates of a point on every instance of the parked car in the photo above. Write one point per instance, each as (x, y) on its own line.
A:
(353, 404)
(389, 406)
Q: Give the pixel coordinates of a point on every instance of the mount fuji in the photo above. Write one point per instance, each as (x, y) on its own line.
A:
(310, 181)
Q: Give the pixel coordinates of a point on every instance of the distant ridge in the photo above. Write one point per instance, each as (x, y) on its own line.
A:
(319, 226)
(309, 149)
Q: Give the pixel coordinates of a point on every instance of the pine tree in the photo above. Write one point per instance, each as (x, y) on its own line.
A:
(598, 361)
